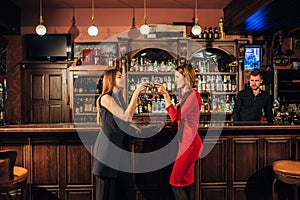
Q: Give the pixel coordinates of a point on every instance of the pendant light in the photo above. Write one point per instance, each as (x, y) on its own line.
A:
(41, 29)
(145, 29)
(196, 30)
(73, 30)
(93, 30)
(133, 33)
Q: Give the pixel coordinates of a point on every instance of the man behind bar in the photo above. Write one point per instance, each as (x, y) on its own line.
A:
(252, 102)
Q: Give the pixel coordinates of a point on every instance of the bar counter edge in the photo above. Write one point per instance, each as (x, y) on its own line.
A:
(59, 160)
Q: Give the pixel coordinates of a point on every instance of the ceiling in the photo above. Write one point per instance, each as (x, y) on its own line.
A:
(202, 4)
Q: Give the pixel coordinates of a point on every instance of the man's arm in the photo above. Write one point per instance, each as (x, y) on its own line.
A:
(268, 108)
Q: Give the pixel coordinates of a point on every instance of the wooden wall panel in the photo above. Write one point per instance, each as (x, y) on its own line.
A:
(39, 113)
(82, 175)
(55, 87)
(245, 158)
(216, 158)
(45, 164)
(277, 149)
(38, 85)
(55, 115)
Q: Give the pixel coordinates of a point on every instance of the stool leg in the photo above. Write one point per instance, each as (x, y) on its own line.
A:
(274, 194)
(295, 190)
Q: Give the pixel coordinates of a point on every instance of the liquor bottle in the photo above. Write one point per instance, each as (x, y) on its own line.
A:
(141, 65)
(162, 105)
(210, 33)
(233, 85)
(79, 61)
(229, 86)
(225, 86)
(227, 104)
(219, 85)
(203, 84)
(149, 106)
(221, 27)
(205, 34)
(132, 85)
(216, 33)
(214, 104)
(140, 105)
(154, 105)
(199, 82)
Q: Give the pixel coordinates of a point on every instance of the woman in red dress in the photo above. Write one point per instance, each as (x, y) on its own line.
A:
(186, 113)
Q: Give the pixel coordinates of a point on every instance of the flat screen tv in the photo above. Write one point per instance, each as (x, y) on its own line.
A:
(52, 47)
(253, 56)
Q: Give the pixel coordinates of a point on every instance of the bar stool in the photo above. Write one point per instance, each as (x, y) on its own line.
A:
(13, 179)
(287, 171)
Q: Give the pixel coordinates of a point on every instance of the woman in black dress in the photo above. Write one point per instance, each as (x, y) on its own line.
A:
(115, 116)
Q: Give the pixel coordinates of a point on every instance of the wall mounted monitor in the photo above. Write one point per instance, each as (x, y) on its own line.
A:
(52, 47)
(253, 57)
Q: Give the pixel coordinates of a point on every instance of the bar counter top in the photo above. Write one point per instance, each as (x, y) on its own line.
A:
(69, 127)
(58, 158)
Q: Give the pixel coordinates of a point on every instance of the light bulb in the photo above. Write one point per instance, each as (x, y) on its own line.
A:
(145, 29)
(40, 29)
(196, 30)
(133, 33)
(93, 30)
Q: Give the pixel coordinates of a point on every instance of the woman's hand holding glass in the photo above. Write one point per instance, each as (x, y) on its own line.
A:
(142, 87)
(161, 89)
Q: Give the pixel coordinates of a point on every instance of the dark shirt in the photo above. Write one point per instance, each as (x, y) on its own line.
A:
(249, 107)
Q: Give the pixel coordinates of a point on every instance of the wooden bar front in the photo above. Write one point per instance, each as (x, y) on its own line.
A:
(240, 160)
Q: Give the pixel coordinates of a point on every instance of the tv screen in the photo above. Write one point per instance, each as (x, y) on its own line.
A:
(253, 57)
(53, 47)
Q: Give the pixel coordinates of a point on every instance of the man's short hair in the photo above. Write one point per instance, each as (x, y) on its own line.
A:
(256, 72)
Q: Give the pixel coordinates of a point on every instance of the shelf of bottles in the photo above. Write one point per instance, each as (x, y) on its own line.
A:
(86, 91)
(153, 66)
(216, 80)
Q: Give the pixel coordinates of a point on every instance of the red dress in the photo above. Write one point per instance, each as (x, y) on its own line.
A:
(186, 114)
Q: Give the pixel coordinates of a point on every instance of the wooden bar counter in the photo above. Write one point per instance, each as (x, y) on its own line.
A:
(58, 157)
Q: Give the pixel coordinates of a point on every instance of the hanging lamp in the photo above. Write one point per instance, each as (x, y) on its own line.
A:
(41, 29)
(93, 30)
(145, 29)
(196, 30)
(133, 33)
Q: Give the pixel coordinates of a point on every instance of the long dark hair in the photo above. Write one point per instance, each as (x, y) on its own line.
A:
(188, 71)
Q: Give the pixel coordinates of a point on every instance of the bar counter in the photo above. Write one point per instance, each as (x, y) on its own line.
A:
(69, 127)
(60, 162)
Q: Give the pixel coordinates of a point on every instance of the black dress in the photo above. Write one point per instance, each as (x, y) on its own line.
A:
(112, 184)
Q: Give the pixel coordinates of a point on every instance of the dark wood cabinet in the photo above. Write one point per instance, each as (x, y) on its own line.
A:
(45, 93)
(59, 165)
(239, 164)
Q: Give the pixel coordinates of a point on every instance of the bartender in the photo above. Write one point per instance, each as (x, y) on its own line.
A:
(252, 102)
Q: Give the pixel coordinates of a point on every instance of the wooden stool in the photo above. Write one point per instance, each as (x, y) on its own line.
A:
(287, 171)
(13, 179)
